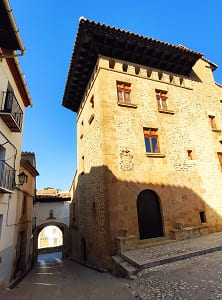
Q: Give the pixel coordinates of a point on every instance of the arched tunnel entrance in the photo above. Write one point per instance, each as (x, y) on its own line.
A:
(50, 240)
(50, 237)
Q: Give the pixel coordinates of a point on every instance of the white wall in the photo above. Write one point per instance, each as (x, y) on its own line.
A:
(8, 202)
(61, 212)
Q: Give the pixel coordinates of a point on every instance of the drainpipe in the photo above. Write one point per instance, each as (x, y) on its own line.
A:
(16, 31)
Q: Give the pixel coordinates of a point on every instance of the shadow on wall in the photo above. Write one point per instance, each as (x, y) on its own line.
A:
(110, 215)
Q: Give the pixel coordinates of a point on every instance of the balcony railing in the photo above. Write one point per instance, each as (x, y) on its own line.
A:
(7, 177)
(11, 112)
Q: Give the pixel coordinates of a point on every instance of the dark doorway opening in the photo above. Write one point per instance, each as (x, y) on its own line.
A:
(149, 215)
(20, 256)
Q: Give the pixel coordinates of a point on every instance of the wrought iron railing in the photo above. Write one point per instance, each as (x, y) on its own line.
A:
(7, 176)
(9, 104)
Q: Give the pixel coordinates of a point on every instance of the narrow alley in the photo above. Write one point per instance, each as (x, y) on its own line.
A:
(53, 278)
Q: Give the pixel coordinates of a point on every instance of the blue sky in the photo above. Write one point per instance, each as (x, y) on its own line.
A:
(48, 29)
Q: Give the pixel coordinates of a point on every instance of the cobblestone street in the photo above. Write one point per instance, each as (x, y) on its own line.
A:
(195, 278)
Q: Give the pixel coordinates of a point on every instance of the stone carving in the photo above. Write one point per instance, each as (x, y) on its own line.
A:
(126, 160)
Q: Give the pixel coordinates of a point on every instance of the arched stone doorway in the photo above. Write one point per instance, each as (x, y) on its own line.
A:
(149, 215)
(65, 232)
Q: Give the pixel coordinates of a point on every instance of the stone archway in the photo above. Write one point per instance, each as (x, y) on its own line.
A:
(63, 227)
(149, 215)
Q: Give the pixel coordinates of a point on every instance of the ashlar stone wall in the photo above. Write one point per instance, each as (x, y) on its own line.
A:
(113, 166)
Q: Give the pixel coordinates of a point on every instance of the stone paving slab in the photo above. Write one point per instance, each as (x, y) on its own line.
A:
(158, 255)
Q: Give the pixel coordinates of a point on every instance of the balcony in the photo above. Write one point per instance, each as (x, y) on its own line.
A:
(7, 177)
(11, 112)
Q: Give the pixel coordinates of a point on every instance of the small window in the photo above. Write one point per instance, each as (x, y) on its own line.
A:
(161, 97)
(219, 154)
(51, 214)
(190, 154)
(171, 78)
(203, 218)
(82, 123)
(124, 92)
(212, 122)
(151, 140)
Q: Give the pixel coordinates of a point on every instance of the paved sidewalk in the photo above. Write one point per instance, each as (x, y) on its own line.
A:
(153, 256)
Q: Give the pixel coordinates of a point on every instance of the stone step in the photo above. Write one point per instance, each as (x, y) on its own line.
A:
(154, 242)
(157, 255)
(123, 268)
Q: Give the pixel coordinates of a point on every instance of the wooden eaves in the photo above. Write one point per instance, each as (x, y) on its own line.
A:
(95, 39)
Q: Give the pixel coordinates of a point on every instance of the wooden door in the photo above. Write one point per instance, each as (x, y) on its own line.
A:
(149, 215)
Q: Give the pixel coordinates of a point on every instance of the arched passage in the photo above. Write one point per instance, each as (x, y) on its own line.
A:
(65, 233)
(50, 239)
(149, 215)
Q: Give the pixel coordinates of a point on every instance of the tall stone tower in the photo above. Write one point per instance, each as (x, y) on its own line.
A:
(149, 143)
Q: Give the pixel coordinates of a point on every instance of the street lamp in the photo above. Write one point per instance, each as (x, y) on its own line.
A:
(22, 178)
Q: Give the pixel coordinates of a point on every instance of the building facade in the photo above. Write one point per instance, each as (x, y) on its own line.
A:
(51, 208)
(14, 98)
(149, 143)
(26, 194)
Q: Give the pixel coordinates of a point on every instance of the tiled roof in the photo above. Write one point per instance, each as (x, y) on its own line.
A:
(9, 34)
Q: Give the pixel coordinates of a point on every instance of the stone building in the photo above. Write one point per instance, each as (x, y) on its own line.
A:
(14, 98)
(26, 194)
(149, 143)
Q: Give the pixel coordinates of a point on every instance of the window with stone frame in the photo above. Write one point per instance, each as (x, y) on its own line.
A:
(151, 140)
(162, 99)
(219, 154)
(124, 92)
